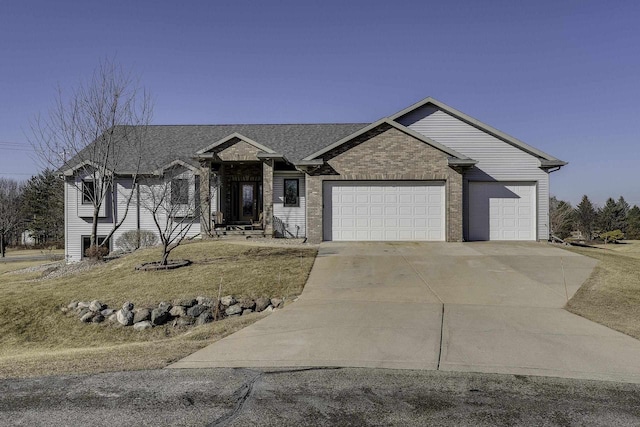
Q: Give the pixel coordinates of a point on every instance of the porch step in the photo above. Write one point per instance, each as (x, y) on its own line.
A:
(238, 227)
(252, 233)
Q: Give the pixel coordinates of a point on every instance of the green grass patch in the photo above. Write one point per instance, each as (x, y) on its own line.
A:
(36, 338)
(611, 295)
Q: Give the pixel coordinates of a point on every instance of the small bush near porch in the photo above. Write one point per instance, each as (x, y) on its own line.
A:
(36, 338)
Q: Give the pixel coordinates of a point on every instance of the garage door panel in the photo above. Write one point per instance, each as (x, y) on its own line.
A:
(420, 223)
(376, 222)
(406, 223)
(405, 199)
(391, 222)
(391, 210)
(405, 211)
(434, 211)
(502, 211)
(362, 210)
(420, 211)
(384, 210)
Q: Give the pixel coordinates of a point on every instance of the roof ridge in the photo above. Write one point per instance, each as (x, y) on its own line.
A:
(252, 124)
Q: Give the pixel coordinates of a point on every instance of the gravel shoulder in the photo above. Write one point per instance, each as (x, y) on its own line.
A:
(315, 397)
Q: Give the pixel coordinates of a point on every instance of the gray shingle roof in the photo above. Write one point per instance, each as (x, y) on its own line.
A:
(166, 143)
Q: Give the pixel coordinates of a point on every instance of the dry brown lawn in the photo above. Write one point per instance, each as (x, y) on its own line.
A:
(611, 296)
(17, 253)
(8, 267)
(36, 338)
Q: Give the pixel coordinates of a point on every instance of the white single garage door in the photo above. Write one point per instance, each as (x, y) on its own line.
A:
(384, 210)
(502, 211)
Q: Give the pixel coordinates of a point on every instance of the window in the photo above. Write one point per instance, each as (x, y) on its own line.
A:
(86, 243)
(291, 193)
(88, 192)
(179, 191)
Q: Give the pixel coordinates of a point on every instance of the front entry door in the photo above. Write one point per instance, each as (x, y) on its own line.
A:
(248, 201)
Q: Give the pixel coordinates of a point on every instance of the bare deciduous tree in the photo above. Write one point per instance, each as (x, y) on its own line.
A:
(175, 205)
(97, 134)
(10, 209)
(560, 217)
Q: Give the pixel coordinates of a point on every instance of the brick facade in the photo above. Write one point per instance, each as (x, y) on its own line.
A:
(237, 150)
(267, 196)
(385, 153)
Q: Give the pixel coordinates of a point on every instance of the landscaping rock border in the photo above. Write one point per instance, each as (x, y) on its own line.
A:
(155, 266)
(182, 312)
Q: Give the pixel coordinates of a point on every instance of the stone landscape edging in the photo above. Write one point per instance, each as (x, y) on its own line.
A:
(181, 313)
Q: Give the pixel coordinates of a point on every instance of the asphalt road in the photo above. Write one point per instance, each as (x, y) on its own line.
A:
(342, 396)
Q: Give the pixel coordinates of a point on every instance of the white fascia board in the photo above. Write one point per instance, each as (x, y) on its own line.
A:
(177, 162)
(71, 171)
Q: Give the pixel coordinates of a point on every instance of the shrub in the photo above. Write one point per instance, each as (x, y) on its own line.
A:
(612, 236)
(134, 239)
(96, 252)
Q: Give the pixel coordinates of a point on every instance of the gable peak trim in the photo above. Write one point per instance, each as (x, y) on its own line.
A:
(240, 137)
(393, 124)
(177, 162)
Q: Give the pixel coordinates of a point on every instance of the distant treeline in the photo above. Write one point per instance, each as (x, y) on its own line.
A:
(35, 207)
(616, 219)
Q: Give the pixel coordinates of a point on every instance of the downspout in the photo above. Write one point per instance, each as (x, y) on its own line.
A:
(66, 221)
(138, 212)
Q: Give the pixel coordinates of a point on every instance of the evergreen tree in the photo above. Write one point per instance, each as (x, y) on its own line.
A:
(623, 208)
(585, 217)
(633, 223)
(43, 207)
(610, 216)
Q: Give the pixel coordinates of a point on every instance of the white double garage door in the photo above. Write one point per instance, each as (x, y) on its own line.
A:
(415, 210)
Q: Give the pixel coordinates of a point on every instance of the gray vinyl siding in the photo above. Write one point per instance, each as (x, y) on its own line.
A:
(293, 218)
(86, 210)
(497, 159)
(124, 189)
(146, 217)
(77, 226)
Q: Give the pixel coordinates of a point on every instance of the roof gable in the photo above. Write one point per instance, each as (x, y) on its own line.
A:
(236, 135)
(175, 163)
(454, 154)
(549, 160)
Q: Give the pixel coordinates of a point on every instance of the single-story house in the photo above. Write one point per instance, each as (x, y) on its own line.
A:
(428, 172)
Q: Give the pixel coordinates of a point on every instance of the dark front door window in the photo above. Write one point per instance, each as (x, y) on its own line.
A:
(248, 201)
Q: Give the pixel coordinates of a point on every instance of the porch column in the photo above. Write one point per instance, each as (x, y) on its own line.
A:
(267, 196)
(205, 198)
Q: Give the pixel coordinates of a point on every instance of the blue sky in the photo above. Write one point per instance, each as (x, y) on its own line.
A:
(561, 76)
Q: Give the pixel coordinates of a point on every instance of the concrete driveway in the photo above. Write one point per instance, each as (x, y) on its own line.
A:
(483, 307)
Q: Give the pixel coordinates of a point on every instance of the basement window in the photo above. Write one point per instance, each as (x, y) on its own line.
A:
(86, 243)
